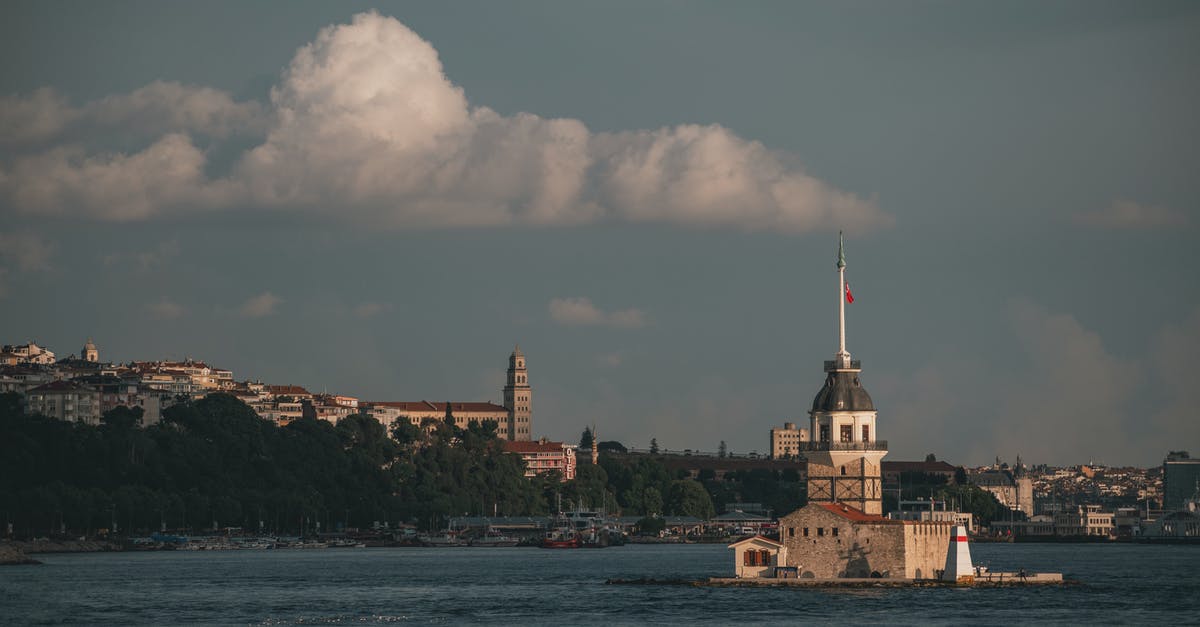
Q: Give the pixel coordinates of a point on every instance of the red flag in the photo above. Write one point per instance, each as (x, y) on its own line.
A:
(849, 296)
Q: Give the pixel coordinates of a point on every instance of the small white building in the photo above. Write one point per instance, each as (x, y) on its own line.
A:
(757, 557)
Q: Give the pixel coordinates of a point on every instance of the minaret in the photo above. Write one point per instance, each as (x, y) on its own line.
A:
(517, 398)
(844, 456)
(595, 446)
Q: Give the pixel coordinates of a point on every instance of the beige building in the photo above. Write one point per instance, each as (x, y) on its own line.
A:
(28, 353)
(65, 401)
(786, 442)
(514, 419)
(834, 540)
(420, 413)
(544, 456)
(757, 557)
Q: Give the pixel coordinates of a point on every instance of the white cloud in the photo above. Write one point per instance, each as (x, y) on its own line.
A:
(167, 176)
(260, 306)
(165, 310)
(1125, 214)
(580, 311)
(370, 309)
(365, 126)
(150, 111)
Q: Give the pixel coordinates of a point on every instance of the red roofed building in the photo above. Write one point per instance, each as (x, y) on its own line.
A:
(542, 456)
(513, 419)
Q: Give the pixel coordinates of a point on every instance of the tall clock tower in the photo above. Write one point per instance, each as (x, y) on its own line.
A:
(518, 397)
(844, 455)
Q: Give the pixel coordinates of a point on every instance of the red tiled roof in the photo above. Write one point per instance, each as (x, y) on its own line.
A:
(853, 514)
(439, 407)
(533, 447)
(286, 389)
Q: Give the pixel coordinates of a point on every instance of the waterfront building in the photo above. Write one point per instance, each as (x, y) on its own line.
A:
(1181, 479)
(832, 540)
(542, 456)
(757, 556)
(64, 400)
(844, 455)
(932, 510)
(786, 442)
(1085, 520)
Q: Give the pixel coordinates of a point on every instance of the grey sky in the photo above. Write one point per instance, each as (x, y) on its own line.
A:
(1018, 179)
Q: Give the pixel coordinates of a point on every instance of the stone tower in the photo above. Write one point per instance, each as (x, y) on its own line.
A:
(844, 454)
(90, 352)
(517, 398)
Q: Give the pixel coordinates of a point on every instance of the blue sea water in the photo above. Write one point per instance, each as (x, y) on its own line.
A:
(1121, 584)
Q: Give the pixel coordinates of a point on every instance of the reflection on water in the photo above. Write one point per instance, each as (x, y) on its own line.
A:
(1122, 583)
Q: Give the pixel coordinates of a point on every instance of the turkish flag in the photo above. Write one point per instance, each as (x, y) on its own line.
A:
(849, 296)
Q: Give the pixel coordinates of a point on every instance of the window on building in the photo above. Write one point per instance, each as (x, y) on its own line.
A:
(764, 557)
(835, 532)
(806, 532)
(824, 433)
(843, 471)
(847, 433)
(791, 532)
(866, 429)
(820, 532)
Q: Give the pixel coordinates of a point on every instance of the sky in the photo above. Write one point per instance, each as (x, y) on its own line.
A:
(382, 199)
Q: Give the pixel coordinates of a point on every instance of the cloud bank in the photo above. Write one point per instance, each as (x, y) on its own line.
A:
(580, 311)
(365, 126)
(259, 306)
(1125, 214)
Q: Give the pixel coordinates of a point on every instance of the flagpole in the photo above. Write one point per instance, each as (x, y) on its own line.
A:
(842, 355)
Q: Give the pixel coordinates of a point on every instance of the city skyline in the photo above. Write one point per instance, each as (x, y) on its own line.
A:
(645, 197)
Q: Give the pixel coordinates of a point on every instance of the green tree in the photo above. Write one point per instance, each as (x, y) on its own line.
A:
(689, 498)
(654, 446)
(652, 501)
(586, 440)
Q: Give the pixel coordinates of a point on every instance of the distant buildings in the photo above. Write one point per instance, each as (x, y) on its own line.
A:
(65, 400)
(28, 353)
(786, 442)
(513, 420)
(1181, 479)
(1014, 491)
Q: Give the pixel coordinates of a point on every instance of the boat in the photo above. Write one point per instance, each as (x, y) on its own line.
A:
(440, 540)
(561, 538)
(493, 538)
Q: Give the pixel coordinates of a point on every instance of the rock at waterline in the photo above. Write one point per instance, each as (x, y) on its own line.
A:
(11, 555)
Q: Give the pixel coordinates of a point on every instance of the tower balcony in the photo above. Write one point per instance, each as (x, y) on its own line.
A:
(877, 445)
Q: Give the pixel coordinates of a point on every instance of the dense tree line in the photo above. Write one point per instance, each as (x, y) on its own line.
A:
(215, 463)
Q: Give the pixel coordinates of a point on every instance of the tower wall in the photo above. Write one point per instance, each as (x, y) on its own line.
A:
(518, 398)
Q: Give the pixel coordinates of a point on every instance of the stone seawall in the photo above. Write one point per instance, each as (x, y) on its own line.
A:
(11, 555)
(63, 546)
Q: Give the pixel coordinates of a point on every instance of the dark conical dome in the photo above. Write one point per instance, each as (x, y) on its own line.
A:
(842, 392)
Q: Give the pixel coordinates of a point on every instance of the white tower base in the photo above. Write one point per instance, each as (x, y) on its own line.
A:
(958, 558)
